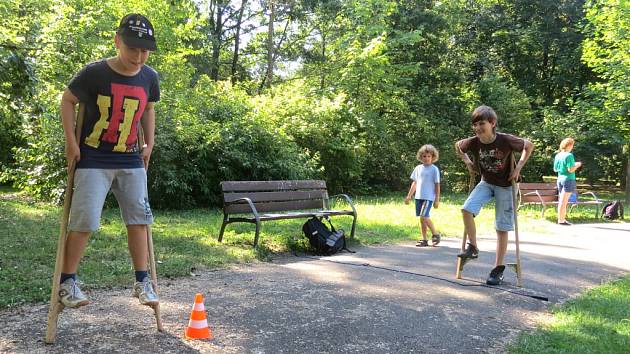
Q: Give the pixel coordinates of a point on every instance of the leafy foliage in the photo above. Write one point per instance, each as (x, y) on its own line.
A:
(357, 87)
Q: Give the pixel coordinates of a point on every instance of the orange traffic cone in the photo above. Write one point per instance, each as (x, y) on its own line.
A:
(198, 325)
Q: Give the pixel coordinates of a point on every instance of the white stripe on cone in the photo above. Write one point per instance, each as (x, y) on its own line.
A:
(198, 323)
(199, 307)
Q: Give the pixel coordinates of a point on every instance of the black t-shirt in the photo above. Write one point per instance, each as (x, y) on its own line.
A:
(114, 104)
(495, 159)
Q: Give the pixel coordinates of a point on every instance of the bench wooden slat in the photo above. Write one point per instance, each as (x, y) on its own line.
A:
(535, 199)
(259, 186)
(275, 206)
(277, 196)
(540, 191)
(537, 186)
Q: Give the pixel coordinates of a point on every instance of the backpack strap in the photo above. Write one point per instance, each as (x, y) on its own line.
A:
(345, 248)
(332, 228)
(344, 235)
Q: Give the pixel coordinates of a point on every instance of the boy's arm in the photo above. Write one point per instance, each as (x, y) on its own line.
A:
(436, 203)
(525, 154)
(67, 108)
(575, 167)
(148, 129)
(464, 157)
(412, 189)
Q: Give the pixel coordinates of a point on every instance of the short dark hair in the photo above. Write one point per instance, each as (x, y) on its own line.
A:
(484, 112)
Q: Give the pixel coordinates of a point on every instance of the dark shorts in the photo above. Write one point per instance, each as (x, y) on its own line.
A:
(423, 207)
(567, 186)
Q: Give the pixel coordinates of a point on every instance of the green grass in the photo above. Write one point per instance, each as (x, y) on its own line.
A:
(185, 241)
(596, 322)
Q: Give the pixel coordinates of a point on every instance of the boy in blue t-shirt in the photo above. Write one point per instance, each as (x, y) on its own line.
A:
(426, 185)
(119, 94)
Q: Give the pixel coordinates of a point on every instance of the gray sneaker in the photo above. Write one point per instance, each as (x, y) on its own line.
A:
(144, 292)
(70, 295)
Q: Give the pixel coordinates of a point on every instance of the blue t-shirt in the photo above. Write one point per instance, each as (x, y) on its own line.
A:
(114, 104)
(426, 177)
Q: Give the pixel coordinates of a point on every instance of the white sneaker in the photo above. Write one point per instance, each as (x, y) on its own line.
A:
(70, 295)
(144, 292)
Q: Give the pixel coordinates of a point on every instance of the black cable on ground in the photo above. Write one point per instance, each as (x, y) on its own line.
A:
(479, 284)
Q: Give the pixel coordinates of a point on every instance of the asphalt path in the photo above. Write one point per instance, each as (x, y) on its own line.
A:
(381, 299)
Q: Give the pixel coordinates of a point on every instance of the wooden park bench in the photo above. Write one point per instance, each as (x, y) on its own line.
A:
(257, 201)
(546, 194)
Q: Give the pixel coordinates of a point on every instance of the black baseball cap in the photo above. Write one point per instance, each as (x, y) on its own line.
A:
(136, 31)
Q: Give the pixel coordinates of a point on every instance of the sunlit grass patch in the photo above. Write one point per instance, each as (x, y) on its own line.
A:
(596, 322)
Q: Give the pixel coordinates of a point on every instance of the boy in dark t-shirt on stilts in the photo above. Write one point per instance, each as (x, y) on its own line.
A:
(494, 153)
(119, 94)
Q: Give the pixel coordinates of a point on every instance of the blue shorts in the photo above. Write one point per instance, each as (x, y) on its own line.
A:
(504, 207)
(567, 186)
(423, 207)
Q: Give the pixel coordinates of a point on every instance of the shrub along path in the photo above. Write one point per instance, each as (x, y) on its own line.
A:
(339, 304)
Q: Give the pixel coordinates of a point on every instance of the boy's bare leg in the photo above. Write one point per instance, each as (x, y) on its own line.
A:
(138, 249)
(423, 226)
(430, 225)
(502, 243)
(563, 199)
(470, 252)
(469, 225)
(75, 245)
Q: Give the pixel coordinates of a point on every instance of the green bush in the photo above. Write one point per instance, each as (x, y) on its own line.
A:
(217, 136)
(40, 167)
(324, 129)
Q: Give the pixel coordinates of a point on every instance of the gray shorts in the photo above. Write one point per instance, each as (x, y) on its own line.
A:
(91, 186)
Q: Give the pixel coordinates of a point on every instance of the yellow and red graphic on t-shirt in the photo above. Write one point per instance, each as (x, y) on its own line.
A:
(127, 105)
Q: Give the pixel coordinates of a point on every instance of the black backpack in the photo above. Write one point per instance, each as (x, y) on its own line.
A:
(324, 241)
(613, 210)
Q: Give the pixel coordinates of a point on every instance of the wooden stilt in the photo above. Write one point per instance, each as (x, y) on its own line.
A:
(55, 307)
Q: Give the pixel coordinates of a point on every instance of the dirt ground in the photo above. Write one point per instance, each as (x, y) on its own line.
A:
(384, 299)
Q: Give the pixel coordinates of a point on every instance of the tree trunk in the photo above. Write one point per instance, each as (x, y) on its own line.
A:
(216, 41)
(270, 50)
(323, 78)
(237, 40)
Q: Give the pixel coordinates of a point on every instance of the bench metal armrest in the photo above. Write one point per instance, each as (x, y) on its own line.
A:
(593, 195)
(251, 205)
(348, 200)
(536, 193)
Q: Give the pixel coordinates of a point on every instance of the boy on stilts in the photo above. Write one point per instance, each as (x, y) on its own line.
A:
(119, 94)
(493, 153)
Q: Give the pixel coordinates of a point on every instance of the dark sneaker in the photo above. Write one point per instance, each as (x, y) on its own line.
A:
(70, 295)
(496, 276)
(471, 252)
(436, 239)
(422, 243)
(144, 292)
(565, 223)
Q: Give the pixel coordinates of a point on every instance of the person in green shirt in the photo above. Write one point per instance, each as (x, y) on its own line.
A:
(565, 165)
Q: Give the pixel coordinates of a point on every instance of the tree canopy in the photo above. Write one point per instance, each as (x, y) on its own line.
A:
(344, 90)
